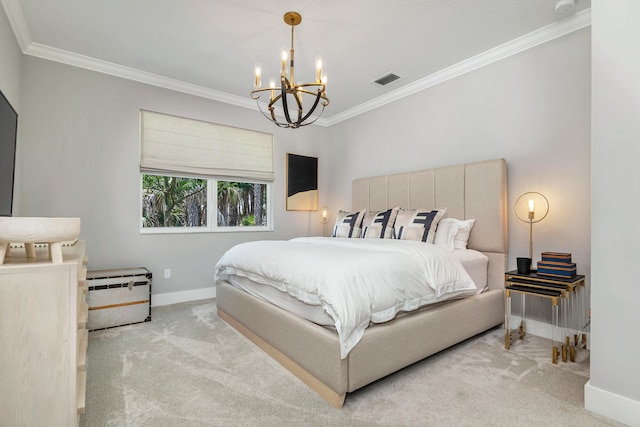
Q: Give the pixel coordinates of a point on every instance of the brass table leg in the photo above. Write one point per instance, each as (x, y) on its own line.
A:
(556, 331)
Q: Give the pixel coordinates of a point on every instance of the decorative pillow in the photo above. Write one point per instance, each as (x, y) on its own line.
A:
(379, 225)
(417, 224)
(453, 233)
(348, 224)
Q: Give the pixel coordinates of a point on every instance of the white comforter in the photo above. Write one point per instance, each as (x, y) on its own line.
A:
(356, 281)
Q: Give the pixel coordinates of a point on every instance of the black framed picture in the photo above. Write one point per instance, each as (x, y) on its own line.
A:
(302, 183)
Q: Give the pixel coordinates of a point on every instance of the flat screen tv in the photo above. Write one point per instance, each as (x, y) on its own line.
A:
(8, 132)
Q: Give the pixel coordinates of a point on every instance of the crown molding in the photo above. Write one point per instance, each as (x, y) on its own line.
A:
(550, 32)
(109, 68)
(89, 63)
(18, 24)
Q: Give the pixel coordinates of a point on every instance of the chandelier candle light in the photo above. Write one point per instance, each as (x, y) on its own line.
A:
(289, 87)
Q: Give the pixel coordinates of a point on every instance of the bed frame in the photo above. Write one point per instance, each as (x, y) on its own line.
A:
(312, 352)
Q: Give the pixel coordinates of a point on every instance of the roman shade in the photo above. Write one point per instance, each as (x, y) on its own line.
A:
(171, 144)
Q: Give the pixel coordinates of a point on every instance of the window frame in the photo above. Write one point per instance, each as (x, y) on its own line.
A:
(212, 206)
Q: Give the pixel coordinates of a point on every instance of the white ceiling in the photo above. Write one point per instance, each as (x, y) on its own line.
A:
(209, 47)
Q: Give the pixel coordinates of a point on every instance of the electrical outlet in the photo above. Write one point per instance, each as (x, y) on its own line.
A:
(167, 273)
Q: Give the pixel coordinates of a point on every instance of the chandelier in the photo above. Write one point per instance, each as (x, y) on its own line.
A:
(290, 93)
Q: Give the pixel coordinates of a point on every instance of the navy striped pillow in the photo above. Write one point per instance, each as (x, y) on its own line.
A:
(348, 224)
(417, 224)
(379, 225)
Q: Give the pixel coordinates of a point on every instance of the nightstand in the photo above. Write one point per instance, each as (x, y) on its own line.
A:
(567, 298)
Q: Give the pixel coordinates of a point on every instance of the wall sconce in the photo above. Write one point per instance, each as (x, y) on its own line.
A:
(324, 214)
(531, 207)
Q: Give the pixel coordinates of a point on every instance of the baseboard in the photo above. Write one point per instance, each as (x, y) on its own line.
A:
(182, 296)
(610, 405)
(538, 328)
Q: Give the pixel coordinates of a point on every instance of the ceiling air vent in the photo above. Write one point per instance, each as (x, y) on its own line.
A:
(386, 79)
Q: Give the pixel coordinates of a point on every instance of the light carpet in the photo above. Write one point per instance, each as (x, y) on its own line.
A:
(188, 368)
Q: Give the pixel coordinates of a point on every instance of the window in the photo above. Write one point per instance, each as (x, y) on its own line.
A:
(181, 204)
(171, 201)
(241, 204)
(198, 176)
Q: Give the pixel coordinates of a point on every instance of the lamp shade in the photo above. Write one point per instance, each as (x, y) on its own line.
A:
(531, 207)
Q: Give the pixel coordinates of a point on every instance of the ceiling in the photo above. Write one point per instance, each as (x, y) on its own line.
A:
(209, 47)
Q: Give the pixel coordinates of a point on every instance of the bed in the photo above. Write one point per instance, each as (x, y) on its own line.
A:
(314, 352)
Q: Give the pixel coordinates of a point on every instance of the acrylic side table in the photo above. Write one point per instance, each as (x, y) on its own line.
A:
(567, 298)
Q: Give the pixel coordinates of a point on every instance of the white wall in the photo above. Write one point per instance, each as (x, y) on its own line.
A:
(614, 389)
(80, 143)
(10, 78)
(533, 109)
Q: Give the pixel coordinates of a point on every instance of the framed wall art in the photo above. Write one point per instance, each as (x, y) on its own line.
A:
(302, 183)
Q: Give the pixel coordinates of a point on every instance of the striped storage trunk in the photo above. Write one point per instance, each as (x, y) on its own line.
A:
(118, 297)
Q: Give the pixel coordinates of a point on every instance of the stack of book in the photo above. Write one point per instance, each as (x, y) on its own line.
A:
(556, 264)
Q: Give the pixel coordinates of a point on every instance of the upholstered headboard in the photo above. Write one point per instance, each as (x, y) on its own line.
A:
(472, 190)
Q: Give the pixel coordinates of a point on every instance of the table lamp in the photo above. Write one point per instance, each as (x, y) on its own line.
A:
(531, 207)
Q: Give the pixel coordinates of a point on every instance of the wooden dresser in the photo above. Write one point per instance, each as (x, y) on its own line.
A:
(43, 338)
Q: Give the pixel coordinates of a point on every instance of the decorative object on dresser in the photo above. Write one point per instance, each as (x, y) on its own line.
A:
(30, 231)
(119, 297)
(288, 86)
(43, 331)
(530, 207)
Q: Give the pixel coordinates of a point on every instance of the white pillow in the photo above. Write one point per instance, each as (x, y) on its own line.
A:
(445, 234)
(462, 236)
(453, 233)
